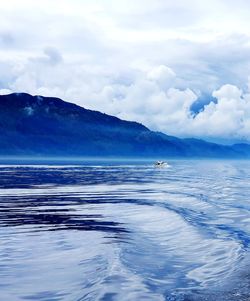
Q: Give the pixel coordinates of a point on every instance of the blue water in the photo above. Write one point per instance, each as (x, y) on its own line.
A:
(125, 231)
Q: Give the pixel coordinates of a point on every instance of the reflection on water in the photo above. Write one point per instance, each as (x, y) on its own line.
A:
(124, 231)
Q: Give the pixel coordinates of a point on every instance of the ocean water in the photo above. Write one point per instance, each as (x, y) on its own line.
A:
(125, 231)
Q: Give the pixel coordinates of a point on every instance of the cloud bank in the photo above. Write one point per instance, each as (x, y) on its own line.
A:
(148, 61)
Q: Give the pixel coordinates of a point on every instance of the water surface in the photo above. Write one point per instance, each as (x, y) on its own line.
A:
(125, 231)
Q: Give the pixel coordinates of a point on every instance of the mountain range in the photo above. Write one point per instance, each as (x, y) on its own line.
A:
(47, 126)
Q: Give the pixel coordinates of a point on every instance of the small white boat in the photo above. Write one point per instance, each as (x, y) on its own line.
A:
(160, 164)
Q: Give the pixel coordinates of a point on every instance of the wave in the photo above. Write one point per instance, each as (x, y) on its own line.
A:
(180, 233)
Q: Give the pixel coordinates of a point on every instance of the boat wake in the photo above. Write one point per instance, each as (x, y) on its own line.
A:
(125, 232)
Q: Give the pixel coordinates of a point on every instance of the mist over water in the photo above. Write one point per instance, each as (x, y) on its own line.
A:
(125, 231)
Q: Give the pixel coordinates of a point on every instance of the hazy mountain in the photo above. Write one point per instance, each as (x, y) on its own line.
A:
(36, 125)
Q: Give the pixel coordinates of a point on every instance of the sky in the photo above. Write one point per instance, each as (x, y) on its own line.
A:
(181, 67)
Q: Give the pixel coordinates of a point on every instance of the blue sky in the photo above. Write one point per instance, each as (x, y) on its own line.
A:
(143, 60)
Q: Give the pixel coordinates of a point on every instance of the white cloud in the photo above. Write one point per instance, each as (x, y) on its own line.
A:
(150, 98)
(5, 91)
(229, 118)
(162, 75)
(140, 60)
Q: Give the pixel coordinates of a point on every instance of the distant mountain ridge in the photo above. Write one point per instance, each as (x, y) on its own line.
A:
(47, 126)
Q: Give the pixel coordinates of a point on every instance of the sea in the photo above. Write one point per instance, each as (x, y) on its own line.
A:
(90, 230)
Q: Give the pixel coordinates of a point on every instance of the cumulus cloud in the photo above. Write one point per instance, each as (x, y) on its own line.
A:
(151, 71)
(5, 91)
(162, 75)
(229, 117)
(151, 97)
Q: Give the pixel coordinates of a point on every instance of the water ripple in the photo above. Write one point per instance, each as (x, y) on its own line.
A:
(125, 231)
